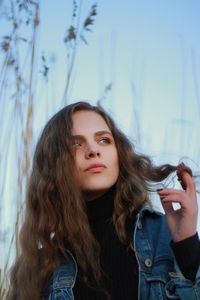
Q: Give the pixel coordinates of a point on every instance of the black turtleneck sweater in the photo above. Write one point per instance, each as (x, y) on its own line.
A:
(119, 265)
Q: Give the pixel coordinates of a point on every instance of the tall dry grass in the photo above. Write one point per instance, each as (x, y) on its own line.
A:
(19, 72)
(76, 33)
(17, 86)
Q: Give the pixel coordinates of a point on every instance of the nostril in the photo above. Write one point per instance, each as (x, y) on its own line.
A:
(92, 153)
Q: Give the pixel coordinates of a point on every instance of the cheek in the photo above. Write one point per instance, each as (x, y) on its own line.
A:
(78, 160)
(116, 162)
(117, 168)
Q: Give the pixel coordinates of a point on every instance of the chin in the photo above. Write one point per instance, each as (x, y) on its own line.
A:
(96, 189)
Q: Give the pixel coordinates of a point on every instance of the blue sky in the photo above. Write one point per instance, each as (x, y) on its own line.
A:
(148, 50)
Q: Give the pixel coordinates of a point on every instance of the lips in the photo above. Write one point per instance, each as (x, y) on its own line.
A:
(96, 168)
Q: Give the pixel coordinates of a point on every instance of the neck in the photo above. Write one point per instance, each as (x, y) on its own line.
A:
(92, 195)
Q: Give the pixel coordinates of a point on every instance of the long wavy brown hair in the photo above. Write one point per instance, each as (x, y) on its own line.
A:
(55, 215)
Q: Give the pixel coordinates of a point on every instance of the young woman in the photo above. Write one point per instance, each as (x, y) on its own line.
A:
(90, 231)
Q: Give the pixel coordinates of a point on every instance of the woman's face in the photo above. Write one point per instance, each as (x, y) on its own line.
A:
(96, 155)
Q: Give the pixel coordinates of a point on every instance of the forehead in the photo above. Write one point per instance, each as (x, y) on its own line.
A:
(86, 121)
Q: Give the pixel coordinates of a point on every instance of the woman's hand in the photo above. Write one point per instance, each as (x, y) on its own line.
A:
(182, 222)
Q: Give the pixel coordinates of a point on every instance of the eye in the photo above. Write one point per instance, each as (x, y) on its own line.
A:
(104, 141)
(76, 145)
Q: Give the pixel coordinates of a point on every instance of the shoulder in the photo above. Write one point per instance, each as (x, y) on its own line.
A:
(67, 269)
(152, 240)
(154, 225)
(63, 279)
(151, 215)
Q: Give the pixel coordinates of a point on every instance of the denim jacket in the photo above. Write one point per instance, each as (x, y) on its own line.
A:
(159, 275)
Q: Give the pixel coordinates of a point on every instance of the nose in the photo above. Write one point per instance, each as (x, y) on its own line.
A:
(91, 152)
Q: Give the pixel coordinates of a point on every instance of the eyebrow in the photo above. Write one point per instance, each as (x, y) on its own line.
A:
(97, 134)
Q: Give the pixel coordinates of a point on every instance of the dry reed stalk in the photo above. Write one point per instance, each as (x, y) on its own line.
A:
(196, 80)
(24, 110)
(21, 114)
(75, 35)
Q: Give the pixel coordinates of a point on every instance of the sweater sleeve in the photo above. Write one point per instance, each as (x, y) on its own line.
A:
(187, 253)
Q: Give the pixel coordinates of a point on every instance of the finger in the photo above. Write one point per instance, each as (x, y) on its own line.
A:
(189, 183)
(181, 168)
(168, 201)
(189, 194)
(179, 197)
(167, 192)
(182, 203)
(167, 206)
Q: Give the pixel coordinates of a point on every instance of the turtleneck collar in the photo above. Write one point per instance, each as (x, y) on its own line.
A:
(101, 207)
